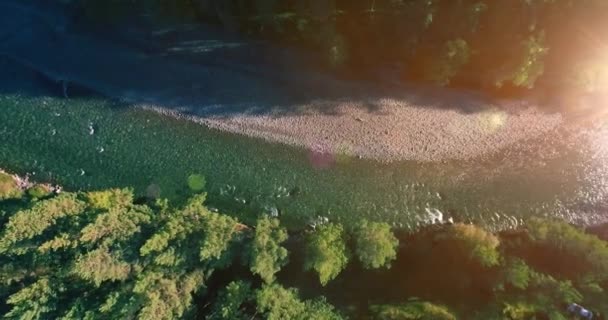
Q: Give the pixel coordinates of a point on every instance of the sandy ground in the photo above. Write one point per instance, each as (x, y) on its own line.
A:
(397, 130)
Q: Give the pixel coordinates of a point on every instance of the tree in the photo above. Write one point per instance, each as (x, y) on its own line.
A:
(101, 265)
(550, 292)
(531, 63)
(454, 55)
(80, 258)
(320, 309)
(326, 252)
(231, 302)
(68, 257)
(118, 224)
(517, 273)
(187, 223)
(519, 311)
(36, 301)
(110, 198)
(480, 245)
(218, 234)
(267, 255)
(375, 244)
(500, 42)
(30, 223)
(540, 294)
(166, 295)
(277, 303)
(414, 310)
(573, 242)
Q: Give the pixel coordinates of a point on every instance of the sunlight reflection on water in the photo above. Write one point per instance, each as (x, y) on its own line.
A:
(563, 174)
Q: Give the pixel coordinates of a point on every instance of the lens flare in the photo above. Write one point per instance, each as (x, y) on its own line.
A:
(491, 121)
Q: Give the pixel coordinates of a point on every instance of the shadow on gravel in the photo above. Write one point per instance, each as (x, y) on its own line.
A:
(196, 70)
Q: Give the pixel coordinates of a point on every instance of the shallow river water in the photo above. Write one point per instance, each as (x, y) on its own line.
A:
(87, 142)
(90, 142)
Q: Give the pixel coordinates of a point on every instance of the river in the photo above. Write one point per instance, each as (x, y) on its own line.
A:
(50, 137)
(90, 141)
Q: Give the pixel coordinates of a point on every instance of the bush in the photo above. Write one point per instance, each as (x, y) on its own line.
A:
(38, 191)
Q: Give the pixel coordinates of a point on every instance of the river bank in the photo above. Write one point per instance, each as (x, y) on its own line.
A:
(284, 103)
(14, 186)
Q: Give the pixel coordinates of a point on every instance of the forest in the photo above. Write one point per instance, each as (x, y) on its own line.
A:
(108, 255)
(501, 46)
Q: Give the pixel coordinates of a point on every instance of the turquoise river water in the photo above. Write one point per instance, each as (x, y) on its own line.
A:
(50, 138)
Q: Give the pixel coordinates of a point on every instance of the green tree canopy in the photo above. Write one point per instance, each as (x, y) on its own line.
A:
(277, 303)
(110, 198)
(415, 310)
(267, 254)
(99, 256)
(479, 244)
(32, 223)
(231, 302)
(326, 252)
(518, 274)
(375, 244)
(573, 242)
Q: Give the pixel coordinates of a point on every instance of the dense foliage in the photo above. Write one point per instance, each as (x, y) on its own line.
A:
(479, 244)
(326, 252)
(267, 255)
(376, 246)
(98, 255)
(481, 43)
(414, 310)
(102, 255)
